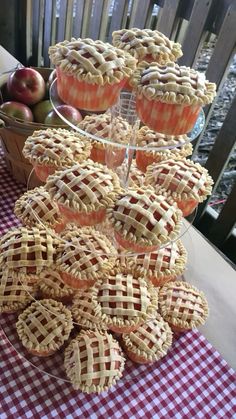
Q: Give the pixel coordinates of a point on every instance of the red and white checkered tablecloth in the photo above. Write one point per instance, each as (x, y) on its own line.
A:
(193, 380)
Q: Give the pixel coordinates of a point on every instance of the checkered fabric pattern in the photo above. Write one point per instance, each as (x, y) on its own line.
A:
(192, 381)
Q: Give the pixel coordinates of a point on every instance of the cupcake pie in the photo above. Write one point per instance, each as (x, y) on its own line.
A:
(186, 182)
(182, 305)
(93, 361)
(44, 327)
(162, 266)
(147, 45)
(15, 292)
(103, 126)
(84, 256)
(143, 220)
(51, 285)
(159, 147)
(54, 148)
(149, 343)
(86, 310)
(126, 302)
(90, 74)
(36, 207)
(28, 251)
(84, 191)
(174, 93)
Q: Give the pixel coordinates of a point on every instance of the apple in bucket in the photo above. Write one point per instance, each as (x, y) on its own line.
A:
(70, 113)
(17, 110)
(26, 85)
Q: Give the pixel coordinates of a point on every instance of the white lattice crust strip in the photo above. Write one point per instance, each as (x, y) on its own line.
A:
(86, 310)
(56, 146)
(93, 361)
(182, 305)
(182, 179)
(44, 326)
(145, 218)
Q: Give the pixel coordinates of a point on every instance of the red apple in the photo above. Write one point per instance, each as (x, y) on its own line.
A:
(68, 112)
(41, 110)
(26, 85)
(17, 110)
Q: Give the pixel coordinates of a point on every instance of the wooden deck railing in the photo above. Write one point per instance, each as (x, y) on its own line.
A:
(190, 22)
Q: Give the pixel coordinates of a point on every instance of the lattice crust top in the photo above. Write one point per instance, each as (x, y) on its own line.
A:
(151, 340)
(144, 217)
(167, 261)
(28, 250)
(92, 61)
(142, 42)
(56, 146)
(118, 129)
(135, 176)
(36, 206)
(182, 305)
(182, 179)
(85, 253)
(126, 301)
(172, 84)
(44, 326)
(52, 285)
(86, 310)
(84, 187)
(94, 361)
(178, 145)
(15, 292)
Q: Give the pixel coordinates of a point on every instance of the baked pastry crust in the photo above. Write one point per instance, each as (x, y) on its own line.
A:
(84, 187)
(15, 291)
(28, 250)
(135, 176)
(93, 361)
(169, 261)
(177, 146)
(145, 218)
(142, 42)
(126, 302)
(92, 61)
(56, 147)
(86, 310)
(172, 84)
(190, 180)
(151, 341)
(52, 285)
(44, 326)
(117, 129)
(182, 305)
(85, 253)
(35, 207)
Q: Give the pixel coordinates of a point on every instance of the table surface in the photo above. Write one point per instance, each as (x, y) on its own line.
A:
(192, 381)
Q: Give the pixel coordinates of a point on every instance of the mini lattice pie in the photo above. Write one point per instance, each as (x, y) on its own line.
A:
(159, 147)
(36, 207)
(116, 129)
(84, 192)
(90, 74)
(186, 182)
(28, 250)
(54, 148)
(182, 305)
(94, 361)
(84, 256)
(143, 220)
(44, 327)
(149, 343)
(52, 286)
(86, 310)
(15, 292)
(147, 45)
(161, 266)
(126, 302)
(174, 93)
